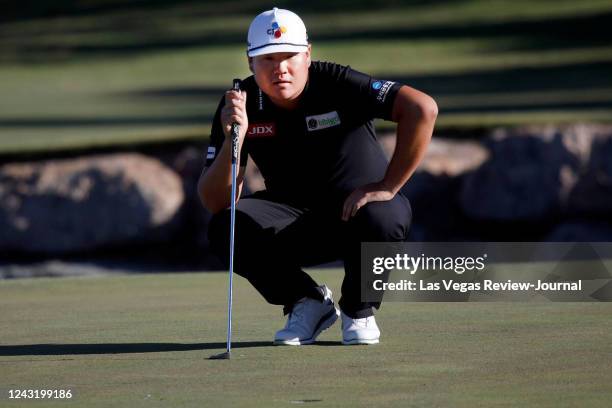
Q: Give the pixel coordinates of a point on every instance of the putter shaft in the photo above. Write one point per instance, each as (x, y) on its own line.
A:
(235, 147)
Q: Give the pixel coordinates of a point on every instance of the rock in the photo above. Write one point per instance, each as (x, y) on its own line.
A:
(70, 205)
(591, 192)
(434, 188)
(445, 157)
(526, 178)
(189, 164)
(540, 173)
(435, 212)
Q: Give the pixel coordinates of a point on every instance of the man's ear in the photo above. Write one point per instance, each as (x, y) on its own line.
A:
(309, 60)
(251, 64)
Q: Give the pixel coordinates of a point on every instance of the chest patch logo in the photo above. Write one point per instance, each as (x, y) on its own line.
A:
(261, 130)
(322, 121)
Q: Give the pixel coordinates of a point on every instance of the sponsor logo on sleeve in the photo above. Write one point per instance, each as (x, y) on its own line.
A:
(383, 89)
(261, 130)
(323, 121)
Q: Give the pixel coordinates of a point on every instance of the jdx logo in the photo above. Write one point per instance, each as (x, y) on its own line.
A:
(261, 130)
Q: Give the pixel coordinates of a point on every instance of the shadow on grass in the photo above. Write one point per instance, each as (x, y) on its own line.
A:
(556, 33)
(28, 9)
(578, 76)
(562, 81)
(556, 79)
(127, 348)
(557, 84)
(539, 34)
(522, 79)
(37, 122)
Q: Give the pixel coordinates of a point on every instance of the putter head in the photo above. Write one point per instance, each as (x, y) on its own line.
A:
(222, 356)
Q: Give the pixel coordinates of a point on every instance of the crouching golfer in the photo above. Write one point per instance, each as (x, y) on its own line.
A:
(308, 127)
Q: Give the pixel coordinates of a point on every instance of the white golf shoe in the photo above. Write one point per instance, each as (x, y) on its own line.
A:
(359, 331)
(308, 319)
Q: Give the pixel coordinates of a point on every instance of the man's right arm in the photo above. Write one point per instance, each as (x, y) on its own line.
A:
(215, 183)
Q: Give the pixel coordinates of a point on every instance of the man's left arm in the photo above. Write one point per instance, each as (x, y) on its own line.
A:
(415, 114)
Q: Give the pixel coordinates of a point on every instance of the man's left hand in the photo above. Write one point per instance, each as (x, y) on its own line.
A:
(362, 196)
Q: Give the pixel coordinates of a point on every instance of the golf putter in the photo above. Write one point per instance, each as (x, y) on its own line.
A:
(235, 133)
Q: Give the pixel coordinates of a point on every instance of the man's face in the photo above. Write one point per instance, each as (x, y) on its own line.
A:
(281, 75)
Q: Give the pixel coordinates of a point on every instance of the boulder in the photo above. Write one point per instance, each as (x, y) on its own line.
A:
(591, 192)
(525, 179)
(188, 164)
(434, 188)
(70, 205)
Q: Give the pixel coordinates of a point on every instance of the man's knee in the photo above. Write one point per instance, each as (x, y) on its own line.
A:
(219, 230)
(250, 237)
(385, 221)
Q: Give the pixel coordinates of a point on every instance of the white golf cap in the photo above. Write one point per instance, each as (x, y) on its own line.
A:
(276, 30)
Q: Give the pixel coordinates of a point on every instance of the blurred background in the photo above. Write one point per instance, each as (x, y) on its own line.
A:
(105, 110)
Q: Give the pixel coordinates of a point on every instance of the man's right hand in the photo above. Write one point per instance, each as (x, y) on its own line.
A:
(234, 111)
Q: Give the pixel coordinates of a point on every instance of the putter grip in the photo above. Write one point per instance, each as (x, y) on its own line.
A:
(235, 127)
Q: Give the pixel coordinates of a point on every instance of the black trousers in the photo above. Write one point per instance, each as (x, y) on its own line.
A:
(274, 240)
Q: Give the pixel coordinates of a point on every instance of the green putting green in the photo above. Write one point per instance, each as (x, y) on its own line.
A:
(144, 340)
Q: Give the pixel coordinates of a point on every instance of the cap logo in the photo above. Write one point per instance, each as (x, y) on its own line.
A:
(276, 30)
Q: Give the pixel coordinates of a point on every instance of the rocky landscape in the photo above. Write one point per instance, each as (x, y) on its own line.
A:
(521, 184)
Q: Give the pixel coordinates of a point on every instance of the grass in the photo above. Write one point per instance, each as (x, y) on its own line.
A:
(155, 70)
(144, 341)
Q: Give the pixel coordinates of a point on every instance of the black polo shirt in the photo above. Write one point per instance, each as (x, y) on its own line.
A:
(326, 147)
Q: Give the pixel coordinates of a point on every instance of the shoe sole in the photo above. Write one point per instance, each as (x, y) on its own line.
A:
(325, 323)
(359, 341)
